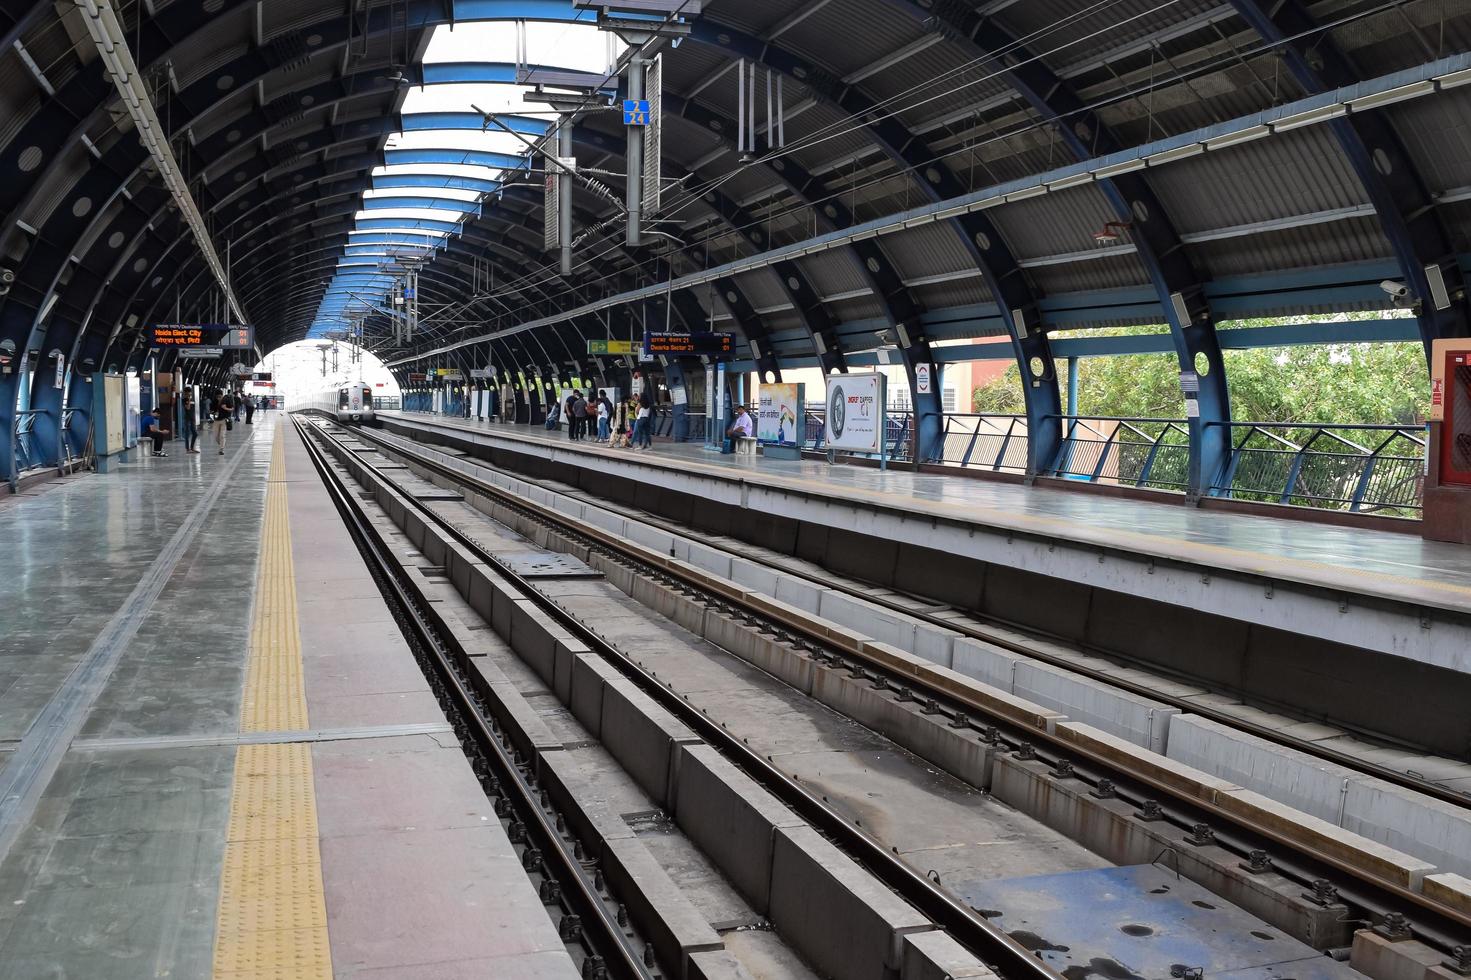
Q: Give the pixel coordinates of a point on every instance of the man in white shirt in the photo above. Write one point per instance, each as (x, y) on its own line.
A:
(742, 427)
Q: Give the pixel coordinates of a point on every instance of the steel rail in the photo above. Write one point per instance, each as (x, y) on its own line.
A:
(1327, 754)
(596, 924)
(932, 900)
(1398, 897)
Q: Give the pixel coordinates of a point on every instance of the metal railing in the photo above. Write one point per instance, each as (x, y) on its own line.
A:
(1377, 469)
(1135, 452)
(982, 441)
(1358, 468)
(897, 439)
(25, 450)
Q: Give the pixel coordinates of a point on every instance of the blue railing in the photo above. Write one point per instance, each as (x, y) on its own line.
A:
(25, 450)
(1358, 468)
(1136, 452)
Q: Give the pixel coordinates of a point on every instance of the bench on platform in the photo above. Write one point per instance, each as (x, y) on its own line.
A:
(745, 446)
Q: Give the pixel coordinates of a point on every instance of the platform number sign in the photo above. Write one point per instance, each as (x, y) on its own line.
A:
(635, 112)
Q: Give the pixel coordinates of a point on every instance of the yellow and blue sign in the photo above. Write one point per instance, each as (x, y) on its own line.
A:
(635, 112)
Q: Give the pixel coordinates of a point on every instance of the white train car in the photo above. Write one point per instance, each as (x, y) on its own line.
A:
(346, 403)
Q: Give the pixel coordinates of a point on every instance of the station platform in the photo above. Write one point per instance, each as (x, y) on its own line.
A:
(1382, 591)
(217, 755)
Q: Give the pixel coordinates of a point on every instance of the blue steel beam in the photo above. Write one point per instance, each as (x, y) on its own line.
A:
(490, 10)
(232, 200)
(742, 308)
(1178, 288)
(979, 238)
(1405, 208)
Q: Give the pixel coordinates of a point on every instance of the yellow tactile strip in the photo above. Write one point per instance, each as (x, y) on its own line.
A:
(274, 698)
(272, 917)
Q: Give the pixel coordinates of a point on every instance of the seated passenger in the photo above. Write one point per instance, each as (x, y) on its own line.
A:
(149, 426)
(741, 428)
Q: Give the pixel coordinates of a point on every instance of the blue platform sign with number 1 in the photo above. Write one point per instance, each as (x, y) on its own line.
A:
(635, 112)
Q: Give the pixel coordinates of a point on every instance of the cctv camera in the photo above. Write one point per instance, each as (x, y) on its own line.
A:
(1396, 289)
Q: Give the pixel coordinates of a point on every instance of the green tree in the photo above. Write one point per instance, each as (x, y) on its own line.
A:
(1343, 383)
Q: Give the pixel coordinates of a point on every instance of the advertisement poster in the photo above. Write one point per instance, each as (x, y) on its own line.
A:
(779, 414)
(855, 412)
(134, 401)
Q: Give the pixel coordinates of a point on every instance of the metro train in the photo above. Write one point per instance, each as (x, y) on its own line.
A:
(346, 403)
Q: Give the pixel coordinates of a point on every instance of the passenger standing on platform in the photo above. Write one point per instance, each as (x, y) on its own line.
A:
(567, 411)
(605, 416)
(148, 425)
(579, 416)
(628, 421)
(191, 428)
(643, 437)
(249, 409)
(224, 406)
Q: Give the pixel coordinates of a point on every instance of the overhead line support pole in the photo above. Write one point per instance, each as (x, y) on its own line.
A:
(633, 188)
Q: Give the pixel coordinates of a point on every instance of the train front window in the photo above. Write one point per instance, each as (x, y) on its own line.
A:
(342, 399)
(367, 400)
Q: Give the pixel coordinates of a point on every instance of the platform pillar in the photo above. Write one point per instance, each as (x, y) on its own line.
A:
(1447, 497)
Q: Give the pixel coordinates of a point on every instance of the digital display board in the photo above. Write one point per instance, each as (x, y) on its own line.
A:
(229, 336)
(689, 344)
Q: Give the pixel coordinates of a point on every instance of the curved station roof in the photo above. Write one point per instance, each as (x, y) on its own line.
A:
(924, 171)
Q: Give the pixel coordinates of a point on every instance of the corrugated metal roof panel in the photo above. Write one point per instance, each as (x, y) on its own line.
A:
(1294, 173)
(1054, 224)
(1457, 217)
(762, 288)
(842, 37)
(929, 250)
(1353, 240)
(939, 80)
(855, 310)
(956, 292)
(1107, 272)
(1403, 35)
(1437, 134)
(20, 97)
(1068, 32)
(835, 271)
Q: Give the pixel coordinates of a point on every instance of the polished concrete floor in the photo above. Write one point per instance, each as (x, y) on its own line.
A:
(125, 626)
(115, 870)
(1248, 542)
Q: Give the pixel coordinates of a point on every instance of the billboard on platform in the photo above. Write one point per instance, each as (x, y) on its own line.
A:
(855, 412)
(779, 414)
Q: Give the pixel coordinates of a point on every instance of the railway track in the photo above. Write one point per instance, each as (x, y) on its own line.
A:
(588, 920)
(1317, 869)
(1004, 634)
